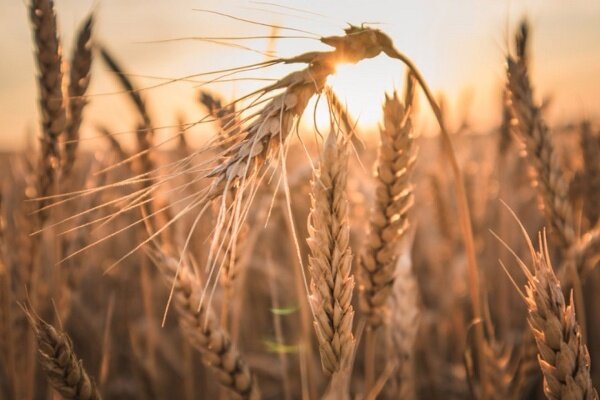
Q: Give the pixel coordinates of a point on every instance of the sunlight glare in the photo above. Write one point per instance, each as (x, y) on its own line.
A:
(361, 88)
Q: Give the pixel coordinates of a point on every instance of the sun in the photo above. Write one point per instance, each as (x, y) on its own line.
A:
(362, 88)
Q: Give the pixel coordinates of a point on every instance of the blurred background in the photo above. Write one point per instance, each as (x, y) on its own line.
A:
(459, 46)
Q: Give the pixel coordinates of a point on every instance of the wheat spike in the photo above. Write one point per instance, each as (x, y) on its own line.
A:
(590, 146)
(393, 199)
(63, 369)
(50, 76)
(79, 80)
(127, 85)
(404, 325)
(563, 357)
(225, 116)
(203, 330)
(535, 135)
(330, 257)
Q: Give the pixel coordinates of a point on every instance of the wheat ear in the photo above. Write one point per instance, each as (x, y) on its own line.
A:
(50, 76)
(330, 259)
(563, 357)
(393, 199)
(128, 86)
(79, 80)
(590, 146)
(225, 116)
(404, 325)
(202, 329)
(535, 135)
(63, 369)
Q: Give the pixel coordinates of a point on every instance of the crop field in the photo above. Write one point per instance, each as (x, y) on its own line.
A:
(278, 237)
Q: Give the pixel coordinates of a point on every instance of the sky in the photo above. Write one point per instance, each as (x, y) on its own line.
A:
(459, 46)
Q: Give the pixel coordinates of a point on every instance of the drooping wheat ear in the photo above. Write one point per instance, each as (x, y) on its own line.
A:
(590, 146)
(535, 135)
(404, 325)
(270, 130)
(563, 357)
(50, 76)
(393, 199)
(79, 80)
(202, 329)
(63, 369)
(330, 259)
(264, 135)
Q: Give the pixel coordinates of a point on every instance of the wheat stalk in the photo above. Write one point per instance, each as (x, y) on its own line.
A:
(79, 80)
(63, 369)
(202, 329)
(393, 199)
(330, 257)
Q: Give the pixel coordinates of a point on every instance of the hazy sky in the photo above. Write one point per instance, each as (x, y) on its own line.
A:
(459, 46)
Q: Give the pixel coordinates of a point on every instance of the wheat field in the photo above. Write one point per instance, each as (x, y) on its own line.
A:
(280, 258)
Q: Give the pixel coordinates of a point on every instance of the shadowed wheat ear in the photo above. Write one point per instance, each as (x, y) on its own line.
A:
(563, 357)
(393, 199)
(535, 135)
(63, 369)
(202, 329)
(330, 259)
(404, 325)
(590, 146)
(50, 76)
(79, 80)
(225, 116)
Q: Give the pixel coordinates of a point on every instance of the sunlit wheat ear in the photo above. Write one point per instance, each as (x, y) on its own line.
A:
(202, 329)
(563, 357)
(393, 199)
(63, 369)
(534, 133)
(79, 80)
(330, 257)
(50, 76)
